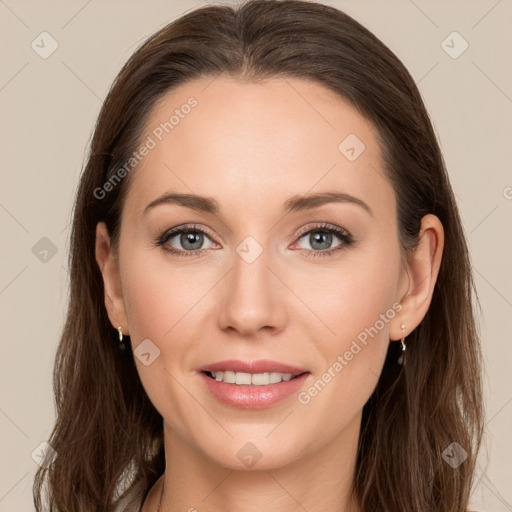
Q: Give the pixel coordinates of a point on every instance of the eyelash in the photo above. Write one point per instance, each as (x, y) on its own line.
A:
(345, 237)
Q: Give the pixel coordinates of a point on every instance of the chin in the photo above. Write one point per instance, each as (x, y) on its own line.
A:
(255, 454)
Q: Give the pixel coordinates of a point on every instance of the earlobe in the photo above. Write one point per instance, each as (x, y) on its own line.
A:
(422, 269)
(108, 264)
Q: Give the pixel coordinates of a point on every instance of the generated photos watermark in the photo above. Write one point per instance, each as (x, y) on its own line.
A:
(151, 142)
(305, 397)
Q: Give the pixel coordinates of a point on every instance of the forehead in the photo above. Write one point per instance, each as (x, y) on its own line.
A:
(270, 139)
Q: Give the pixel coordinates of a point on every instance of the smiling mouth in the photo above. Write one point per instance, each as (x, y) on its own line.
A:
(254, 379)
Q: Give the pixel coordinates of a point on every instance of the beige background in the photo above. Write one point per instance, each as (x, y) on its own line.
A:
(48, 108)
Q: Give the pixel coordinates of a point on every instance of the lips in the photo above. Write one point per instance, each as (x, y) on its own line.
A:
(253, 396)
(260, 366)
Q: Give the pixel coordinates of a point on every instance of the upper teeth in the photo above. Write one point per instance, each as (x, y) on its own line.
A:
(258, 379)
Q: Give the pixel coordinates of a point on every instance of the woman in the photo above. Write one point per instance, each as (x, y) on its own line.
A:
(271, 293)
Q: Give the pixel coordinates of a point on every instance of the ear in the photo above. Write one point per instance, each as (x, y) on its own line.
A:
(419, 277)
(108, 263)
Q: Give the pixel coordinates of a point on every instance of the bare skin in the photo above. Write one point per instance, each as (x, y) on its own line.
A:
(252, 146)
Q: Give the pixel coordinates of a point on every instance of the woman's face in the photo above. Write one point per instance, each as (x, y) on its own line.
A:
(253, 280)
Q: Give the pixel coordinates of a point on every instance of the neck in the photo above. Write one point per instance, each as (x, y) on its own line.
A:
(319, 480)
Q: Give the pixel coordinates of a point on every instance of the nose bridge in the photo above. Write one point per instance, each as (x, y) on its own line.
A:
(251, 297)
(250, 264)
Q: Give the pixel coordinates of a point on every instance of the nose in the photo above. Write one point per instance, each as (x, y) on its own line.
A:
(253, 297)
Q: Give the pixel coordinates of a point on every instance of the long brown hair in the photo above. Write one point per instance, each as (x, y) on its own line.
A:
(106, 425)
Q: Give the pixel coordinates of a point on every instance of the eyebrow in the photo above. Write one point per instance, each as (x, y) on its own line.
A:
(293, 204)
(308, 202)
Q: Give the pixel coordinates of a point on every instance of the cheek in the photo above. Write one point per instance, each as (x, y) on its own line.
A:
(351, 295)
(166, 303)
(356, 305)
(158, 300)
(158, 295)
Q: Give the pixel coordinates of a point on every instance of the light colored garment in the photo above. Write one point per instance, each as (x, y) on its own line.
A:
(130, 503)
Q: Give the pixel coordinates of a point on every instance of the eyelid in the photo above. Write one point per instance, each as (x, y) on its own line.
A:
(187, 227)
(319, 226)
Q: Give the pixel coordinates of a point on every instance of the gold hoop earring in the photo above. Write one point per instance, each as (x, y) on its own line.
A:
(121, 344)
(401, 359)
